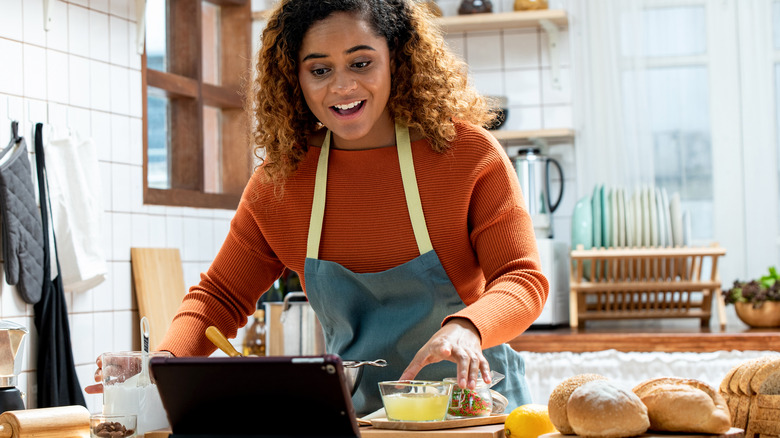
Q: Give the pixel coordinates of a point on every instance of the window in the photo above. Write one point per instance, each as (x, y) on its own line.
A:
(197, 150)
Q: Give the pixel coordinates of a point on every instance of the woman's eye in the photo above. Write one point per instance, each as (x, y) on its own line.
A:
(319, 71)
(361, 64)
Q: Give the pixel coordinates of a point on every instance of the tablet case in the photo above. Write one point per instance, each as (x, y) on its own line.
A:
(269, 397)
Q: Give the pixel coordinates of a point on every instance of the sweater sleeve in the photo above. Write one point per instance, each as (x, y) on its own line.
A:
(244, 268)
(503, 238)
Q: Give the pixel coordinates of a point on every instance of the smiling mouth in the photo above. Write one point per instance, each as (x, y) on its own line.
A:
(348, 109)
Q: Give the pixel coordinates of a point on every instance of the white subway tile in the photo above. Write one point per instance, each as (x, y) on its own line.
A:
(86, 375)
(457, 44)
(449, 7)
(523, 87)
(523, 118)
(120, 90)
(11, 20)
(106, 180)
(101, 135)
(134, 58)
(563, 50)
(122, 282)
(206, 247)
(122, 237)
(57, 76)
(489, 83)
(126, 331)
(137, 189)
(140, 223)
(79, 79)
(190, 248)
(120, 8)
(192, 271)
(82, 301)
(99, 36)
(136, 142)
(82, 341)
(12, 304)
(107, 226)
(78, 30)
(120, 139)
(174, 231)
(11, 79)
(99, 5)
(80, 121)
(553, 95)
(557, 116)
(121, 190)
(119, 43)
(104, 333)
(34, 32)
(100, 86)
(84, 3)
(521, 49)
(103, 295)
(57, 35)
(483, 50)
(136, 97)
(157, 230)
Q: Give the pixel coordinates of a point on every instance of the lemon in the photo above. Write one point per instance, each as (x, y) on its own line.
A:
(528, 421)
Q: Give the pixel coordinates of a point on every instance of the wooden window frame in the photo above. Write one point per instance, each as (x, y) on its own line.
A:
(183, 85)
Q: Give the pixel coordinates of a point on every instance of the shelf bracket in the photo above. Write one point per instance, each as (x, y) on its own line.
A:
(140, 26)
(552, 45)
(47, 10)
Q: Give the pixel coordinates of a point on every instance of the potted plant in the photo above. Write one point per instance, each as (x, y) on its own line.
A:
(757, 301)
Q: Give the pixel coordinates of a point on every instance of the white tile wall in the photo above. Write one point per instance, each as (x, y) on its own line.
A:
(85, 73)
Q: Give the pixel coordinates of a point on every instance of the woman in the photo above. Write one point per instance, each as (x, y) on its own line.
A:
(378, 185)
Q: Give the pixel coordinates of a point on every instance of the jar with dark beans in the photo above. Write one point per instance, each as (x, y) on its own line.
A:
(110, 429)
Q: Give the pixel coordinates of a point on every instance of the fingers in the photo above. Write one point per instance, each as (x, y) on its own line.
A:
(94, 389)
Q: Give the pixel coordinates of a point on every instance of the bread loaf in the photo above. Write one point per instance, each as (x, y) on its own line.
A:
(600, 409)
(683, 405)
(556, 406)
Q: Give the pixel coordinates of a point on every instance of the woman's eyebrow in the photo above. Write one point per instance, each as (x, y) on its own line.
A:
(347, 52)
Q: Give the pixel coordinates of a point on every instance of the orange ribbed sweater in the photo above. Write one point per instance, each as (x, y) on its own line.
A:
(474, 212)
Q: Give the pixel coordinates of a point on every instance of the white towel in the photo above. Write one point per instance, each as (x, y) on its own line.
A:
(74, 185)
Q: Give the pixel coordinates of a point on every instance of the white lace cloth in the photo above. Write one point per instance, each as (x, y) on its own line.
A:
(544, 371)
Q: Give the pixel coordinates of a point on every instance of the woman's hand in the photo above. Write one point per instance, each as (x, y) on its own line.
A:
(119, 369)
(98, 387)
(457, 341)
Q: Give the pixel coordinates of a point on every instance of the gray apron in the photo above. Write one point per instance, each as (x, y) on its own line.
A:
(392, 314)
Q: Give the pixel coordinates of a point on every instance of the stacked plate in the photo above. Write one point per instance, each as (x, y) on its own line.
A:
(616, 217)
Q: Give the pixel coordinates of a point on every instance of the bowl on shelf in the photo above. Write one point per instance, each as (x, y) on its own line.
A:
(768, 315)
(499, 105)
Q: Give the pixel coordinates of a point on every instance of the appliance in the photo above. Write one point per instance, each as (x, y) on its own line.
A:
(533, 171)
(554, 256)
(11, 354)
(293, 328)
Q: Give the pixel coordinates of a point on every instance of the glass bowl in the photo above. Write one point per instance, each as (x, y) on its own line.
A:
(119, 425)
(415, 400)
(477, 402)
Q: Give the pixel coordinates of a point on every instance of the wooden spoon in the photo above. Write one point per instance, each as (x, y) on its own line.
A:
(217, 338)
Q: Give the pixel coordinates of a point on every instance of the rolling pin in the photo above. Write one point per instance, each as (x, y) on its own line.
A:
(59, 422)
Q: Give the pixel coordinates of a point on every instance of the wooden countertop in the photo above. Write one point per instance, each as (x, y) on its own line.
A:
(646, 337)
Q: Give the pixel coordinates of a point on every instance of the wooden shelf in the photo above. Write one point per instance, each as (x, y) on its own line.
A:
(550, 135)
(502, 20)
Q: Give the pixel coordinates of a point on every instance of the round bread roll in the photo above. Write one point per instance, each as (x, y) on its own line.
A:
(556, 406)
(600, 409)
(684, 405)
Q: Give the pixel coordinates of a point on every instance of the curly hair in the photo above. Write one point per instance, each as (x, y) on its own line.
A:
(429, 85)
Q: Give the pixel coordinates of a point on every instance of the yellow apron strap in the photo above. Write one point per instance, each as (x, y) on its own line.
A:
(318, 202)
(413, 203)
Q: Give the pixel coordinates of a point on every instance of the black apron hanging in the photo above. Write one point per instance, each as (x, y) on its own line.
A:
(58, 384)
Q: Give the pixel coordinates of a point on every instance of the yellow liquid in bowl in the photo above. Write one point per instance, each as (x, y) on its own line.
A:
(416, 407)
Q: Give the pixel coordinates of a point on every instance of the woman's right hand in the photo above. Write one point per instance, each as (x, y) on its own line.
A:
(98, 387)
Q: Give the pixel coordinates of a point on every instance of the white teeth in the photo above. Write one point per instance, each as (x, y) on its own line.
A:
(348, 106)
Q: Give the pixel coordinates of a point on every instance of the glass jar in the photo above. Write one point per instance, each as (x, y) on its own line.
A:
(467, 403)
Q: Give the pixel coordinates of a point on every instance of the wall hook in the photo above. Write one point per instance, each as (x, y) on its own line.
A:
(140, 25)
(47, 20)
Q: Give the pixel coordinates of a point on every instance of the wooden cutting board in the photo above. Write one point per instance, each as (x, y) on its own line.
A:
(486, 431)
(732, 433)
(158, 279)
(384, 423)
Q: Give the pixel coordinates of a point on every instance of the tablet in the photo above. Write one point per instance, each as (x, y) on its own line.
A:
(275, 396)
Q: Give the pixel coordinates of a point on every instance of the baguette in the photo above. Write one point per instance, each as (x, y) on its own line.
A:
(600, 409)
(683, 405)
(556, 406)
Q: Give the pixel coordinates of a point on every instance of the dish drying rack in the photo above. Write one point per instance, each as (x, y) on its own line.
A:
(644, 283)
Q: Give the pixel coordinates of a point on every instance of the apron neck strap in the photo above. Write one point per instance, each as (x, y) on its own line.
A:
(413, 202)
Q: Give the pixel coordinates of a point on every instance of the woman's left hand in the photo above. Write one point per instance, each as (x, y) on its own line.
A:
(457, 341)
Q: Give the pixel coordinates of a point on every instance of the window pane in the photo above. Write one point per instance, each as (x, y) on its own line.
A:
(158, 163)
(675, 31)
(212, 149)
(777, 104)
(679, 118)
(776, 24)
(211, 43)
(156, 30)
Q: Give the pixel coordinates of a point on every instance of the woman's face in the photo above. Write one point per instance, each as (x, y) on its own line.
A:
(344, 73)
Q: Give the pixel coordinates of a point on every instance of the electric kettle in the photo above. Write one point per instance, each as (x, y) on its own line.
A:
(533, 171)
(11, 349)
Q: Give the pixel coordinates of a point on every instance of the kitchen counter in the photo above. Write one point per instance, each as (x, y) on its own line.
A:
(646, 337)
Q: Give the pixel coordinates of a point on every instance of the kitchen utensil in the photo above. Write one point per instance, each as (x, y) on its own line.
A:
(450, 423)
(220, 341)
(159, 287)
(58, 422)
(11, 352)
(144, 378)
(533, 172)
(415, 400)
(353, 370)
(303, 335)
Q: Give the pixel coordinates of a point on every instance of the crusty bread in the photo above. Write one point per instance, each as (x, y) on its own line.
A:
(769, 367)
(752, 368)
(683, 405)
(556, 406)
(600, 409)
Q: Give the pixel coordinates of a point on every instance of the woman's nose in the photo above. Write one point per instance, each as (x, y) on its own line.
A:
(344, 84)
